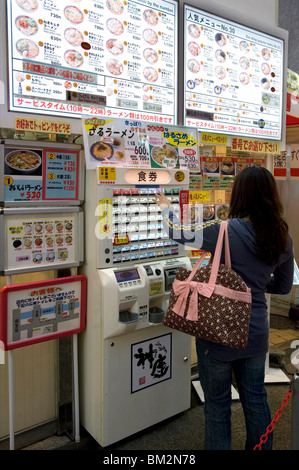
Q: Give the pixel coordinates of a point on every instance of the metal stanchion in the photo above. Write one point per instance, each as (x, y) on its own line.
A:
(295, 413)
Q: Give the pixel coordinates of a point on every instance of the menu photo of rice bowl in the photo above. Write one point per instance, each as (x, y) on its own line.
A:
(101, 151)
(164, 156)
(23, 162)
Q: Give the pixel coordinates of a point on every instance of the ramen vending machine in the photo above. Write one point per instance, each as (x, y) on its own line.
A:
(135, 372)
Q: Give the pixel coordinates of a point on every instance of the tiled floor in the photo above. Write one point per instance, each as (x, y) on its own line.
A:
(278, 337)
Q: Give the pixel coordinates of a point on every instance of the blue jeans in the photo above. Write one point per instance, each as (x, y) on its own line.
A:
(216, 380)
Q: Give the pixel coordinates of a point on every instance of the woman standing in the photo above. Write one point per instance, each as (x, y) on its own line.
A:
(262, 254)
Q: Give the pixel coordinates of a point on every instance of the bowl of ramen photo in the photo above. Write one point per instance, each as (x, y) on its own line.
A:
(222, 212)
(227, 168)
(165, 156)
(26, 25)
(101, 151)
(208, 212)
(23, 161)
(211, 167)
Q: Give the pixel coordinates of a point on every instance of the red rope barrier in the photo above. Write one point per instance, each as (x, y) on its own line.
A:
(271, 426)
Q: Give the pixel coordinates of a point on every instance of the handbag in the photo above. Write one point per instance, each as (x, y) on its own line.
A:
(211, 302)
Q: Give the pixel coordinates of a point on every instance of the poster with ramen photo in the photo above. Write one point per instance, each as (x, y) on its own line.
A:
(115, 142)
(131, 143)
(31, 174)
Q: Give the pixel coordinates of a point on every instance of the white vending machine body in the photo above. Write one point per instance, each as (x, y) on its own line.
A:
(134, 371)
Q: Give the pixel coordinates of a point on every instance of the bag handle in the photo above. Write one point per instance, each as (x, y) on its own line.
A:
(216, 260)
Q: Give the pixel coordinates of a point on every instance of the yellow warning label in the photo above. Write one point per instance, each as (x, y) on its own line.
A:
(107, 174)
(156, 288)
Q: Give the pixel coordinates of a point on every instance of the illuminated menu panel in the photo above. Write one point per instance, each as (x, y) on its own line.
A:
(137, 227)
(93, 57)
(233, 77)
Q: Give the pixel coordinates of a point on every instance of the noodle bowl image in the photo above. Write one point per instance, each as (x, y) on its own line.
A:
(165, 155)
(101, 150)
(23, 161)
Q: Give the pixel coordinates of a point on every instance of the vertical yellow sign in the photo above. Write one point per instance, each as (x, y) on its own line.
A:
(104, 212)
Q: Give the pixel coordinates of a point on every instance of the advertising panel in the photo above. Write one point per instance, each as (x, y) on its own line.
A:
(93, 57)
(39, 311)
(40, 174)
(131, 143)
(233, 77)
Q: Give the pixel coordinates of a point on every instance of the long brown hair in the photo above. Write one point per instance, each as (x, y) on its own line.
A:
(255, 195)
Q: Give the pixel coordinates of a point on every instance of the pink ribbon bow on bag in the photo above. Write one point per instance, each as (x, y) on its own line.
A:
(182, 290)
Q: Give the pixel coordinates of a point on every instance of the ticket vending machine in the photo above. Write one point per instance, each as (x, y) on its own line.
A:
(135, 372)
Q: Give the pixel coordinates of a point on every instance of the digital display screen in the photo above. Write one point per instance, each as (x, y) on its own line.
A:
(129, 275)
(93, 57)
(233, 77)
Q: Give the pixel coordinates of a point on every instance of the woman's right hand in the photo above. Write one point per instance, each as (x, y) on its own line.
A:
(162, 201)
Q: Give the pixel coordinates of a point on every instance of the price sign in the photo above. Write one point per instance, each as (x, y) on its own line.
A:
(33, 174)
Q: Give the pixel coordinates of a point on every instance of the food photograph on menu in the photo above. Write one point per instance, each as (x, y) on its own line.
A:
(65, 57)
(233, 77)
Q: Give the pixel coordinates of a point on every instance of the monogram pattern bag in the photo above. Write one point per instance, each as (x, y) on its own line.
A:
(213, 302)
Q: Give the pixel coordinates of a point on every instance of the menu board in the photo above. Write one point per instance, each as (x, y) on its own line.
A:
(233, 77)
(39, 239)
(77, 57)
(219, 171)
(34, 175)
(130, 143)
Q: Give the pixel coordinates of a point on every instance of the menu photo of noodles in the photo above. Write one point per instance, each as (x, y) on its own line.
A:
(222, 211)
(164, 156)
(109, 150)
(210, 165)
(23, 162)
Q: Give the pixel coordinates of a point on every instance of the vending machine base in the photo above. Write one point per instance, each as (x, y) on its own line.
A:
(139, 380)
